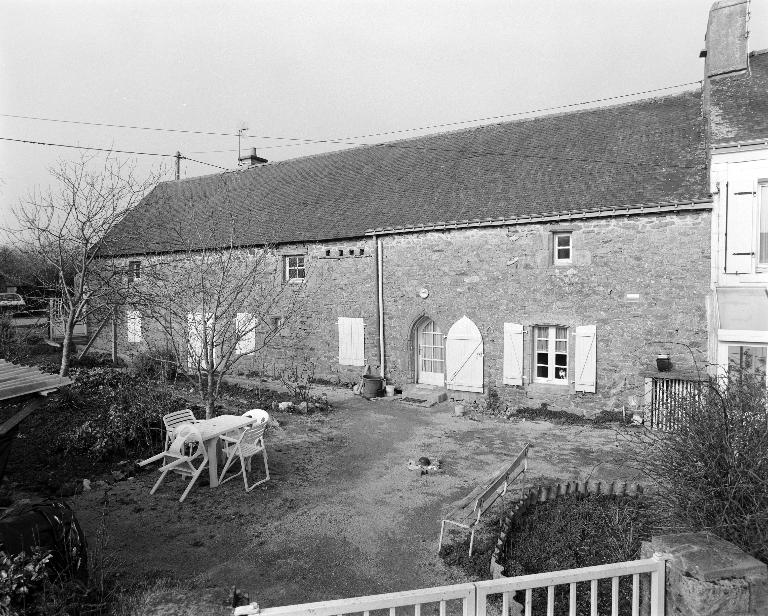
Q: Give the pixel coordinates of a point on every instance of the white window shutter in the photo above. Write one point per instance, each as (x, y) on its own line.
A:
(740, 231)
(358, 342)
(245, 328)
(513, 354)
(585, 358)
(134, 325)
(351, 342)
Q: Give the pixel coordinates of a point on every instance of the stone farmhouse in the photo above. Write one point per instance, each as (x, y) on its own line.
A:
(542, 260)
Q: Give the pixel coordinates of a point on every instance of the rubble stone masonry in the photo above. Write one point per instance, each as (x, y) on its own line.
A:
(498, 275)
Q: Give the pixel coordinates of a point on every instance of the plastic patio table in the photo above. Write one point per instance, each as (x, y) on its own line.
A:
(211, 430)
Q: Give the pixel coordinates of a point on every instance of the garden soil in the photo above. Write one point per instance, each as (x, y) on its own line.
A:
(341, 515)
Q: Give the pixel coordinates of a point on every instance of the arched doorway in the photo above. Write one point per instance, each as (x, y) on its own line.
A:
(429, 348)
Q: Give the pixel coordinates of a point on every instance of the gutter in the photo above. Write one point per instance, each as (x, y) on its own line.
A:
(628, 210)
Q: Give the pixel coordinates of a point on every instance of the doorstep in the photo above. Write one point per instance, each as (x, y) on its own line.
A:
(423, 395)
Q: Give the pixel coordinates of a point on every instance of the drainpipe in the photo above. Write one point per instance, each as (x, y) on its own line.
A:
(380, 297)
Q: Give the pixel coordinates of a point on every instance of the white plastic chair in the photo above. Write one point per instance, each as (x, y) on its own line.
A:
(186, 455)
(173, 420)
(243, 447)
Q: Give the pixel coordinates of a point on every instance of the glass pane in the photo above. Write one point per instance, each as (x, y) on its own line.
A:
(563, 253)
(563, 240)
(750, 359)
(542, 372)
(542, 359)
(561, 373)
(763, 252)
(561, 359)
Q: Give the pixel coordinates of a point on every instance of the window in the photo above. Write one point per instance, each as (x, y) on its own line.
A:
(295, 269)
(133, 320)
(762, 240)
(562, 249)
(551, 354)
(748, 359)
(134, 270)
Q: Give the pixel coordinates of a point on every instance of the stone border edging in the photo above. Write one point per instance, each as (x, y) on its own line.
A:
(544, 493)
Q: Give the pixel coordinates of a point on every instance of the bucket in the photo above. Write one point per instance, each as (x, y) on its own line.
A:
(390, 390)
(371, 385)
(663, 363)
(458, 410)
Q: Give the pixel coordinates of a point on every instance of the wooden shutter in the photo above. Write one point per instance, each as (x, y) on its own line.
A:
(585, 358)
(195, 353)
(513, 354)
(245, 328)
(464, 356)
(740, 232)
(351, 342)
(134, 325)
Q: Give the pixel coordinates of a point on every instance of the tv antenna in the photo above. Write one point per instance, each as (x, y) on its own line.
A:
(241, 128)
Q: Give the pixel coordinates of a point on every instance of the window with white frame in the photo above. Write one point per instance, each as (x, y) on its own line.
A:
(762, 238)
(551, 354)
(748, 359)
(563, 249)
(295, 268)
(133, 322)
(134, 270)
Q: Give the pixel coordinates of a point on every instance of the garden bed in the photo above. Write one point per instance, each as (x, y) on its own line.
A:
(576, 530)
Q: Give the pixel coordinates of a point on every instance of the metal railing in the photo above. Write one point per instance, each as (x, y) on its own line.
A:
(472, 599)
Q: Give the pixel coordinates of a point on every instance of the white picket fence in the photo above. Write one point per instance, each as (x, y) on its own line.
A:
(472, 599)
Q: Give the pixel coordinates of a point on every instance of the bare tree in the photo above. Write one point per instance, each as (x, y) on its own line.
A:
(68, 224)
(213, 305)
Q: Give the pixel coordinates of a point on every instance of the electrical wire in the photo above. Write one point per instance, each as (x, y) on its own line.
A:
(345, 140)
(111, 150)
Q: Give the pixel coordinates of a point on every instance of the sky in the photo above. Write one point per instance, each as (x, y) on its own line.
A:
(296, 72)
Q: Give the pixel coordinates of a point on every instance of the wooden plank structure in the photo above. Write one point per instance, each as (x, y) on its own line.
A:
(467, 512)
(27, 384)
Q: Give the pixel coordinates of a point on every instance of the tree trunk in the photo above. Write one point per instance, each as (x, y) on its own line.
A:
(210, 398)
(69, 327)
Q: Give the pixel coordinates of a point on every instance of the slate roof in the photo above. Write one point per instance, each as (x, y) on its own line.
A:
(738, 103)
(650, 151)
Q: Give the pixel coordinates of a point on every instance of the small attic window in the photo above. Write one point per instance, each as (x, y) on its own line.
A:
(351, 251)
(341, 252)
(328, 253)
(361, 252)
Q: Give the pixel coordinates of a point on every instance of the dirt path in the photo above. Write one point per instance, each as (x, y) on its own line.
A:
(342, 515)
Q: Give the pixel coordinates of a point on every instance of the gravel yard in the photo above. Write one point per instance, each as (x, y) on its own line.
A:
(342, 515)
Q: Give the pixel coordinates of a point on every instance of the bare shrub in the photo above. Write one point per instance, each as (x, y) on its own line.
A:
(712, 469)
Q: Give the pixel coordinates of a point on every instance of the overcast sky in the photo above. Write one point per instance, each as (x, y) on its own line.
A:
(315, 69)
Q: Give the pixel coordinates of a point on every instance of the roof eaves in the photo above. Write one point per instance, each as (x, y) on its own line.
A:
(624, 210)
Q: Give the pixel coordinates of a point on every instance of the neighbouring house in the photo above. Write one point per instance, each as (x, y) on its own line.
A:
(542, 260)
(736, 97)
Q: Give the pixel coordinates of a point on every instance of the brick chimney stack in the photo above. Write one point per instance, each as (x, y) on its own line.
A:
(726, 39)
(252, 158)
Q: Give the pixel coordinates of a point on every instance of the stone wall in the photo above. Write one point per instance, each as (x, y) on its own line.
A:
(707, 576)
(505, 274)
(337, 285)
(497, 275)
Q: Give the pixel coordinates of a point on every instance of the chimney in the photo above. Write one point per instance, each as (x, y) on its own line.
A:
(252, 158)
(726, 39)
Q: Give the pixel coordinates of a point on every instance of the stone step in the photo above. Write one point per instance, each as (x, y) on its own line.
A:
(424, 395)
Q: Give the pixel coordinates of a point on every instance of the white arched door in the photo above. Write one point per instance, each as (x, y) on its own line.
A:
(464, 356)
(430, 353)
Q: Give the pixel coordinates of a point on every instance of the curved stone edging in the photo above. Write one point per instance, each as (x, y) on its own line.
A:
(544, 493)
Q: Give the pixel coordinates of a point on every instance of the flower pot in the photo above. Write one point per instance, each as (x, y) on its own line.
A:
(663, 363)
(458, 410)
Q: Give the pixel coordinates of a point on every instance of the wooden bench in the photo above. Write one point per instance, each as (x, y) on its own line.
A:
(467, 512)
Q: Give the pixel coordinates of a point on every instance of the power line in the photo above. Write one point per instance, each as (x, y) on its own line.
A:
(112, 150)
(345, 140)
